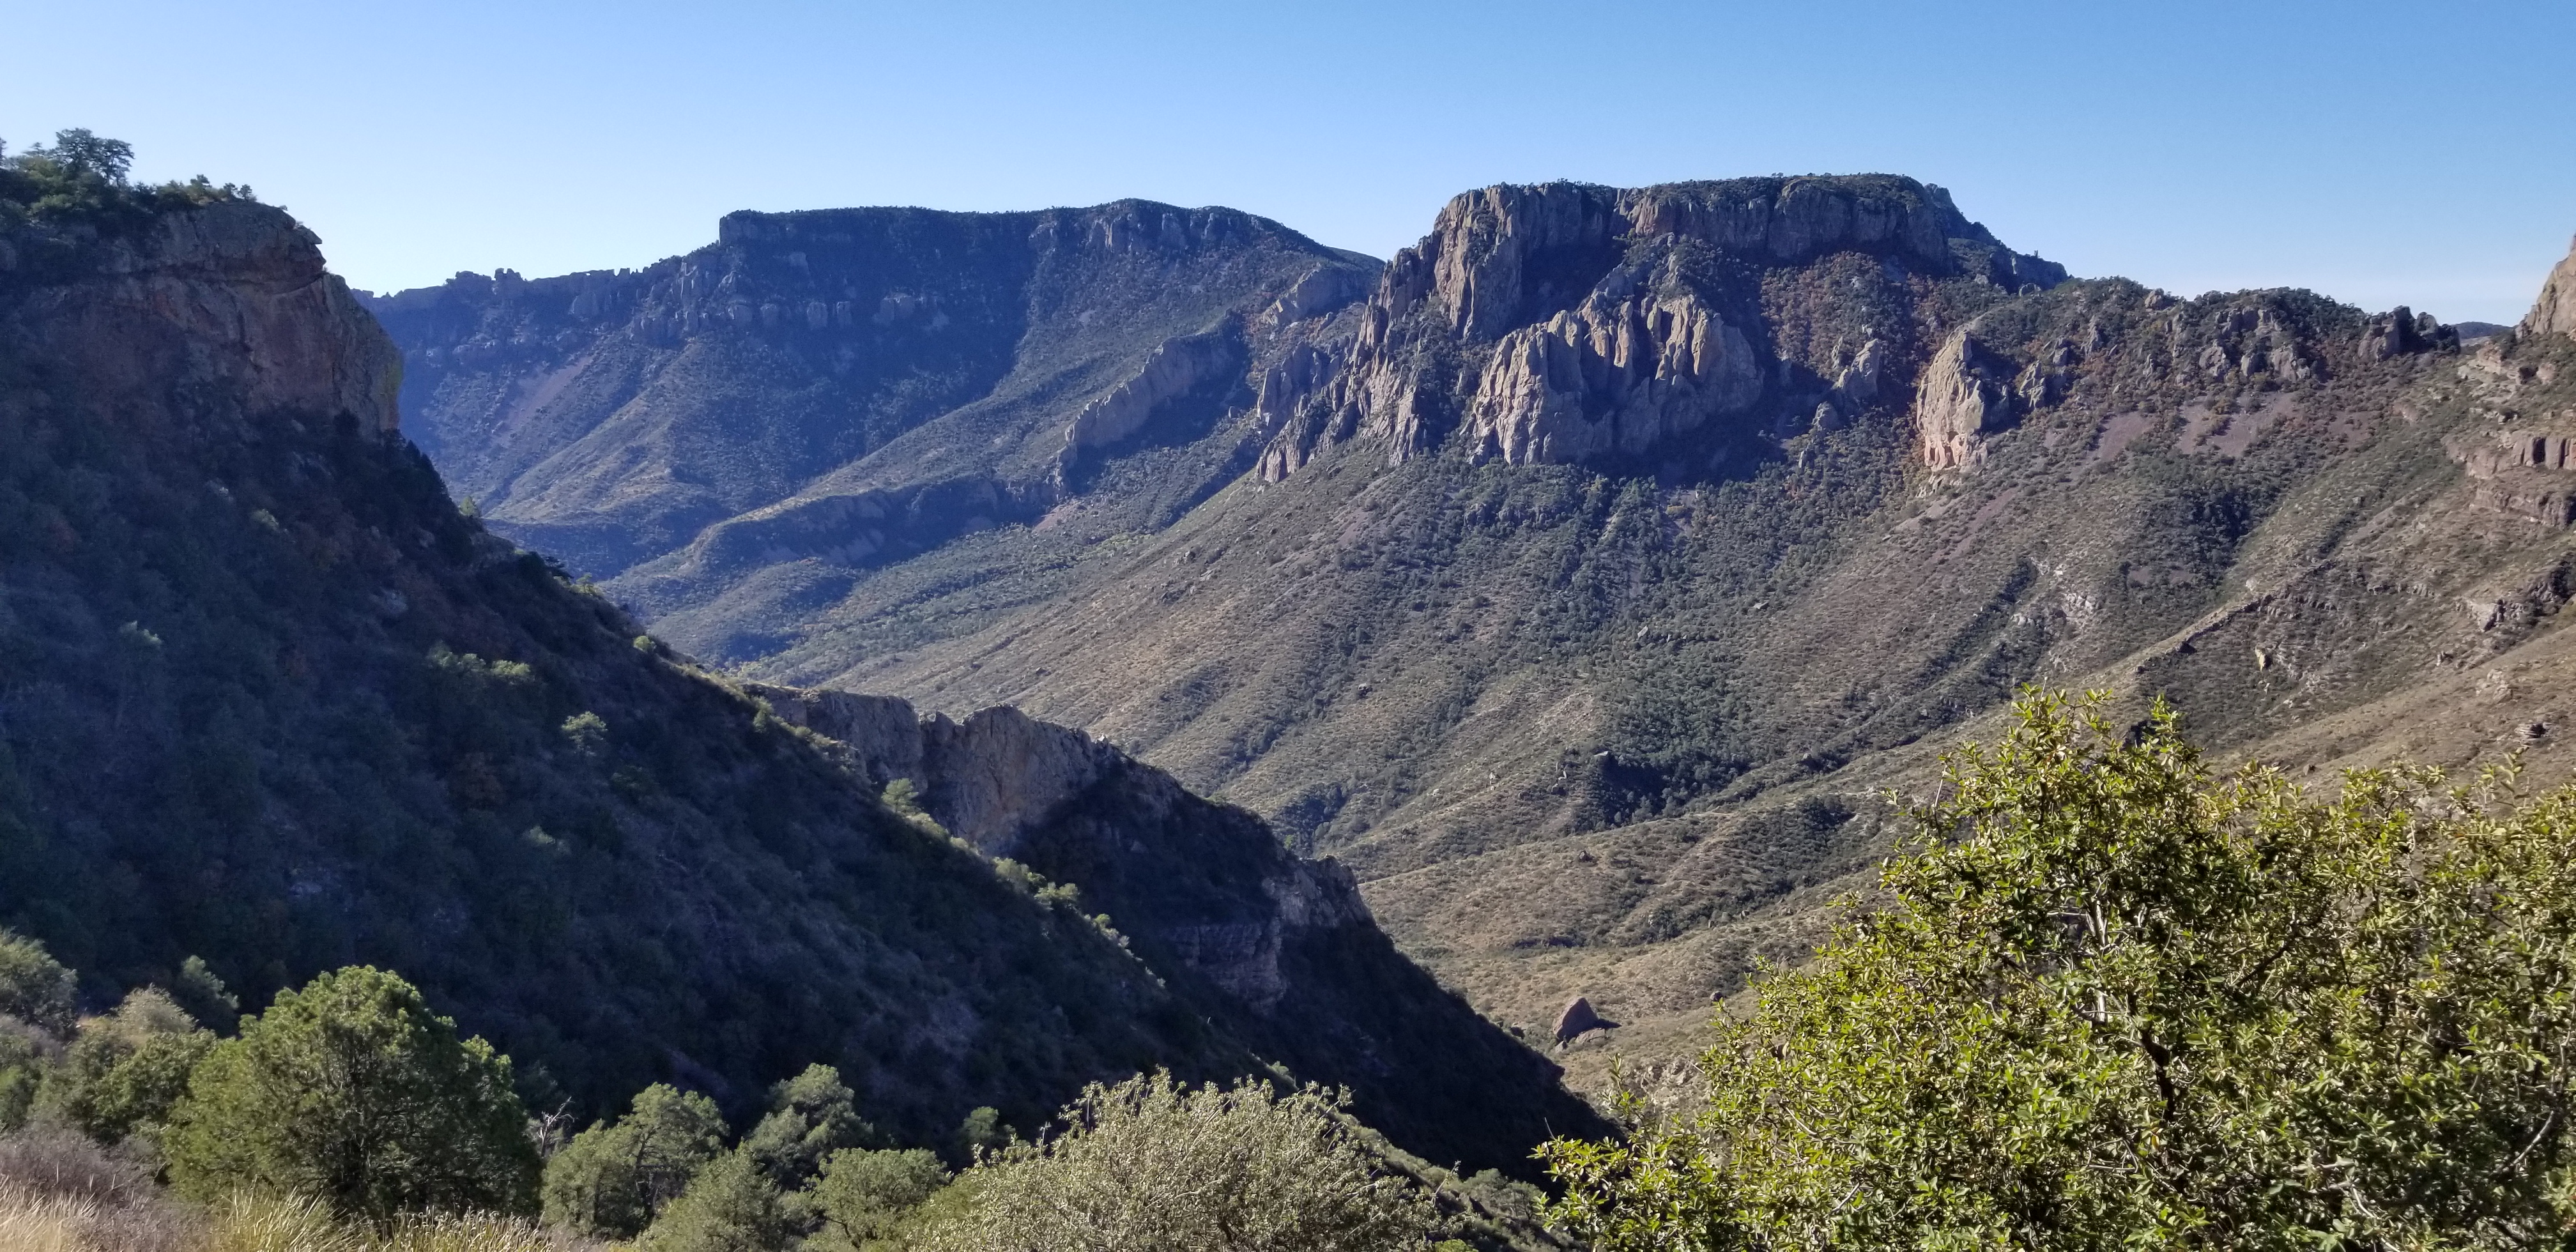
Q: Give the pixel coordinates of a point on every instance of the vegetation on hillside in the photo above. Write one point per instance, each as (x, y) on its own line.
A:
(56, 197)
(2117, 998)
(347, 1117)
(271, 705)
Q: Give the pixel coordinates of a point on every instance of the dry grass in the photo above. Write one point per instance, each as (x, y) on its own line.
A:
(61, 1193)
(268, 1224)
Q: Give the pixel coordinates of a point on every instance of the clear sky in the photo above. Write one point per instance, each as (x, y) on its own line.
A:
(2382, 153)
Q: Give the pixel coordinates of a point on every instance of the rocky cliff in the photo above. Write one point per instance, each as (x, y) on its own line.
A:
(1574, 324)
(2554, 313)
(1594, 569)
(853, 385)
(1206, 895)
(271, 699)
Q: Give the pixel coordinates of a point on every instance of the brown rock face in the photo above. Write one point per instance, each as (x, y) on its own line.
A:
(1015, 787)
(228, 299)
(2555, 312)
(1572, 323)
(1577, 1018)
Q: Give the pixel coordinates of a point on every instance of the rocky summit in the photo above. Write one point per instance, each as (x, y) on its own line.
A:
(1582, 577)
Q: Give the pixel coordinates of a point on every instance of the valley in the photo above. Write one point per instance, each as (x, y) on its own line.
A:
(1584, 577)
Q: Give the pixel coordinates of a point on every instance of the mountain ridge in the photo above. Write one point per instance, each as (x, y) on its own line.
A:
(1596, 569)
(343, 723)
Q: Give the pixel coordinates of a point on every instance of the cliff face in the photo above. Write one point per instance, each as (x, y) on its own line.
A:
(230, 301)
(1572, 324)
(270, 699)
(2554, 313)
(1207, 895)
(1597, 565)
(857, 384)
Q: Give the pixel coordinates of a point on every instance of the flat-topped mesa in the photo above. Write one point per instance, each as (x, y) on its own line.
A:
(868, 364)
(1566, 322)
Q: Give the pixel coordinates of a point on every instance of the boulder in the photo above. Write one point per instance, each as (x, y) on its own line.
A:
(1577, 1020)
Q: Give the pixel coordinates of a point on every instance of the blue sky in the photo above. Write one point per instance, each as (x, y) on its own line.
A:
(2380, 153)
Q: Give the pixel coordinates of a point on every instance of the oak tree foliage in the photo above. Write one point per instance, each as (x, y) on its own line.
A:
(2114, 997)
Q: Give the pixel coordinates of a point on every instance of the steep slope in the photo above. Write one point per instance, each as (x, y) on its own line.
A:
(267, 697)
(1540, 555)
(853, 386)
(1599, 568)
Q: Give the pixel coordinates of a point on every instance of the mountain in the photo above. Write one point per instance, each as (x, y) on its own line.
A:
(1593, 574)
(268, 697)
(859, 385)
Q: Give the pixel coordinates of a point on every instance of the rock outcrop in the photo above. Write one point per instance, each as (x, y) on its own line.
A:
(1961, 396)
(1569, 323)
(900, 356)
(1175, 369)
(229, 299)
(1636, 363)
(1204, 891)
(2554, 313)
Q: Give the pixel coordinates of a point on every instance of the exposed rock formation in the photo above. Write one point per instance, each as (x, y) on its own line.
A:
(1959, 398)
(1577, 1019)
(1175, 369)
(1204, 890)
(2554, 313)
(1618, 374)
(230, 299)
(1573, 323)
(2402, 331)
(904, 360)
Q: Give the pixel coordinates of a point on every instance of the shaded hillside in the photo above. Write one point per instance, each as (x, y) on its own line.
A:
(268, 698)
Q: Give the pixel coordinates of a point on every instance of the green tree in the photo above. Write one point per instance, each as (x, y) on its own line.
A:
(94, 156)
(34, 987)
(353, 1092)
(613, 1178)
(1151, 1165)
(729, 1206)
(981, 1131)
(863, 1197)
(127, 1071)
(2115, 999)
(810, 1116)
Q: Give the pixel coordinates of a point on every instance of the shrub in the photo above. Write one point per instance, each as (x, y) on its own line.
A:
(730, 1206)
(353, 1092)
(126, 1071)
(1151, 1165)
(863, 1197)
(614, 1178)
(34, 987)
(2135, 1003)
(810, 1116)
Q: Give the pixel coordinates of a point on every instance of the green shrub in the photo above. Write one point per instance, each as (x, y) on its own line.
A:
(730, 1206)
(1151, 1165)
(34, 987)
(863, 1197)
(810, 1117)
(2116, 1000)
(353, 1092)
(614, 1178)
(127, 1071)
